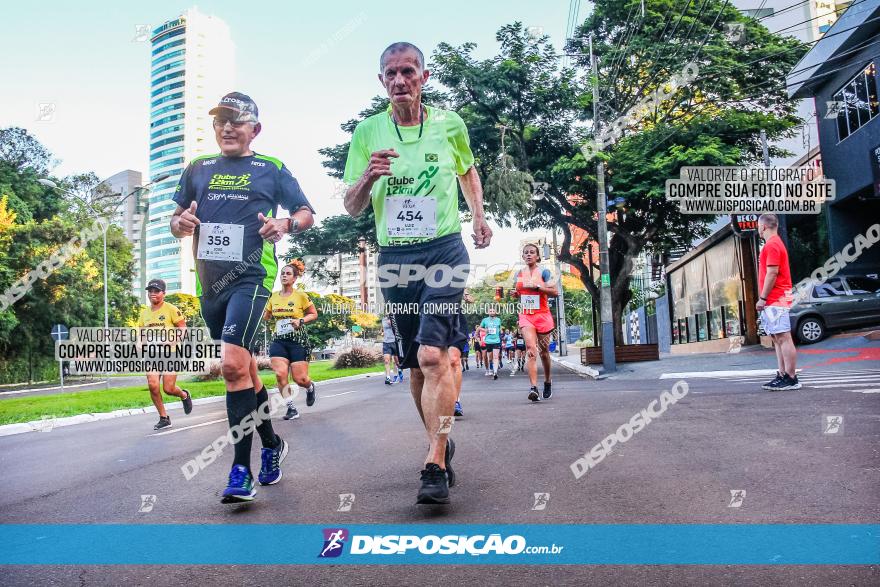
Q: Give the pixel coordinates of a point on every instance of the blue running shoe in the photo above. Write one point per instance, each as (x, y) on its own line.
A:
(400, 375)
(270, 471)
(458, 413)
(241, 486)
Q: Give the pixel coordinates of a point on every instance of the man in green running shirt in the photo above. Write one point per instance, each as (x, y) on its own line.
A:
(408, 162)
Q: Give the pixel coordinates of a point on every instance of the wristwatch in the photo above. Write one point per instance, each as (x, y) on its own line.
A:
(292, 225)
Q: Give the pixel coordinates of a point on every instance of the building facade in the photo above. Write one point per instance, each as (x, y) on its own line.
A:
(840, 74)
(129, 216)
(191, 68)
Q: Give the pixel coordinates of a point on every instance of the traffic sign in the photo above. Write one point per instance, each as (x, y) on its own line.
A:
(606, 279)
(60, 332)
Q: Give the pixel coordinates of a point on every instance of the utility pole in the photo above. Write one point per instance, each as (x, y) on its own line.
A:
(560, 304)
(783, 224)
(362, 258)
(608, 359)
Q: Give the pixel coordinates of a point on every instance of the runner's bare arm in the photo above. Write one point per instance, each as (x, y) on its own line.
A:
(473, 195)
(358, 195)
(310, 315)
(184, 221)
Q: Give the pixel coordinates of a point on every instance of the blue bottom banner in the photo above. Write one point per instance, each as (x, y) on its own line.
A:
(523, 544)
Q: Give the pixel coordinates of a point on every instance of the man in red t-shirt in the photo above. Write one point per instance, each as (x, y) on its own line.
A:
(774, 301)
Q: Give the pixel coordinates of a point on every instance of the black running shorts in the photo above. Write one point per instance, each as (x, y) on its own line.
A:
(234, 314)
(425, 310)
(291, 350)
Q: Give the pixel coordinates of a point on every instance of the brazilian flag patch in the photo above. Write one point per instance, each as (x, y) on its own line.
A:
(430, 157)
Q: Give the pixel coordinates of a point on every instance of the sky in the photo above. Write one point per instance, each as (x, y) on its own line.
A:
(84, 58)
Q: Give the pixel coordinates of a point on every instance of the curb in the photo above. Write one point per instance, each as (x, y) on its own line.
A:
(48, 423)
(575, 368)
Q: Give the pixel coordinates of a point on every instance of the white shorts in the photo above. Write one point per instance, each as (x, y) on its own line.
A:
(775, 320)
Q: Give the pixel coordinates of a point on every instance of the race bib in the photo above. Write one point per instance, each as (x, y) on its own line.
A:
(411, 217)
(220, 242)
(491, 330)
(284, 326)
(530, 302)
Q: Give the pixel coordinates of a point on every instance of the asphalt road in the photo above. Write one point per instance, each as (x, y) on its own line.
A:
(363, 437)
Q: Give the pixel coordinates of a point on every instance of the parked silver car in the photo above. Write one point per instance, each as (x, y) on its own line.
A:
(841, 302)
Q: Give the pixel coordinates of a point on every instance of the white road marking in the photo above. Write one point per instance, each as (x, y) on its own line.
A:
(189, 427)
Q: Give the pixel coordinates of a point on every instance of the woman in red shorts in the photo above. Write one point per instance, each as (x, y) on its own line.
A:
(534, 285)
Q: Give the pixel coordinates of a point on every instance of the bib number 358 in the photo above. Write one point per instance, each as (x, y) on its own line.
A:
(220, 242)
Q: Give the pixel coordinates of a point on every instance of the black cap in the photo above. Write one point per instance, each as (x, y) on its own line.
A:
(240, 106)
(156, 284)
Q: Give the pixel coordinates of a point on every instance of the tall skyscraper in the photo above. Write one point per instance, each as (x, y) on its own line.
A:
(192, 67)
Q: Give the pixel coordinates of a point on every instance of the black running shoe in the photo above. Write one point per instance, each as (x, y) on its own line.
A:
(164, 422)
(187, 403)
(777, 385)
(435, 486)
(773, 381)
(450, 452)
(789, 383)
(495, 376)
(547, 391)
(291, 414)
(533, 394)
(387, 381)
(310, 395)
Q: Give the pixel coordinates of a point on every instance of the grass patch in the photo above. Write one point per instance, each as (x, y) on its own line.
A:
(26, 409)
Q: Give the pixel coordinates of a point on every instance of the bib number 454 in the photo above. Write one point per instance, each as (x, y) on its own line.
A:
(409, 215)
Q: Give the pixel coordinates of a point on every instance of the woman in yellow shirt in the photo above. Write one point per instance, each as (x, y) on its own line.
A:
(288, 311)
(161, 314)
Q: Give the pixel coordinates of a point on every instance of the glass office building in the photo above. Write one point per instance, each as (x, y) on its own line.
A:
(192, 66)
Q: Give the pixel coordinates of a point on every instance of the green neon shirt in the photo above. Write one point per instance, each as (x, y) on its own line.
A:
(427, 167)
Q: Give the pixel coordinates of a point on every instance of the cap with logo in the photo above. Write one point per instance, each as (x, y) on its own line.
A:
(156, 284)
(238, 107)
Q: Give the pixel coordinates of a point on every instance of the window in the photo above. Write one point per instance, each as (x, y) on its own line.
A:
(168, 141)
(165, 119)
(863, 285)
(176, 43)
(169, 34)
(167, 130)
(166, 67)
(168, 76)
(178, 106)
(165, 152)
(856, 102)
(829, 289)
(715, 321)
(168, 98)
(168, 56)
(158, 166)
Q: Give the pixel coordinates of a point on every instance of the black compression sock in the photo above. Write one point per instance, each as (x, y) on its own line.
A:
(267, 434)
(238, 405)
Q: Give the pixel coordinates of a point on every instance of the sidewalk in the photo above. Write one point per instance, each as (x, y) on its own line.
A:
(845, 351)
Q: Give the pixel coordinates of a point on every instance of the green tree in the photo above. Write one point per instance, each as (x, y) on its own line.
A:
(189, 306)
(546, 113)
(73, 293)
